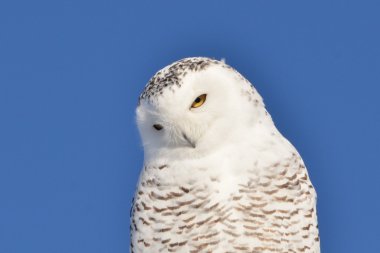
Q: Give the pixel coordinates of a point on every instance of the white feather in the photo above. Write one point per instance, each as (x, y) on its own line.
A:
(236, 144)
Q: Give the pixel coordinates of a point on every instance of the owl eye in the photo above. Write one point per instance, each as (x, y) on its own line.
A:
(158, 127)
(199, 101)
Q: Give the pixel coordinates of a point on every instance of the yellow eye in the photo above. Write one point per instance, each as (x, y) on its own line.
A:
(199, 101)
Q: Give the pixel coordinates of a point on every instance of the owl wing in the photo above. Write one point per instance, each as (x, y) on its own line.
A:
(279, 208)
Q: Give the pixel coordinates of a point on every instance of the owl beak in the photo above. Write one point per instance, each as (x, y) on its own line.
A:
(192, 143)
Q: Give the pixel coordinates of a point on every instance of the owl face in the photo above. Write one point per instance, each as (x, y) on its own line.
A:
(200, 111)
(196, 116)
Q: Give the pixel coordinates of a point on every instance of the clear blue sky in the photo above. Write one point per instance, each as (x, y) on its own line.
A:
(71, 72)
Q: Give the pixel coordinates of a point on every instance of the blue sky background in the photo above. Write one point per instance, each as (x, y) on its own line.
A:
(71, 72)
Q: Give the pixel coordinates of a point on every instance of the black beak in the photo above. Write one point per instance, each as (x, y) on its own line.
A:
(192, 144)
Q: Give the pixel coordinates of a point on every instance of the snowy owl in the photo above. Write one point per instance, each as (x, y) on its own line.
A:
(217, 176)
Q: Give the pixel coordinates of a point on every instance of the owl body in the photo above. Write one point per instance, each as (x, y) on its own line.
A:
(217, 180)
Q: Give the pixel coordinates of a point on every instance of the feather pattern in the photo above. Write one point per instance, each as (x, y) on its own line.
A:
(246, 191)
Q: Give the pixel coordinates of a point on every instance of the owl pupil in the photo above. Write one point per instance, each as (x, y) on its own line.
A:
(197, 100)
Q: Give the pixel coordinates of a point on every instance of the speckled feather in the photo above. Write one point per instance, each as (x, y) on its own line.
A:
(248, 191)
(174, 73)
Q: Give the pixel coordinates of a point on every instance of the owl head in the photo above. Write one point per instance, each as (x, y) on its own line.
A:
(194, 106)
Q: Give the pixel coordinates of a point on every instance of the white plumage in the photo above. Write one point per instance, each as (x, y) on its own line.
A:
(217, 176)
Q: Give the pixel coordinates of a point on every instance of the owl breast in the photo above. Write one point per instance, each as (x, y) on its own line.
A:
(264, 210)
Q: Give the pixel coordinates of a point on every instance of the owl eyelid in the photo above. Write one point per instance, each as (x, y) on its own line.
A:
(158, 127)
